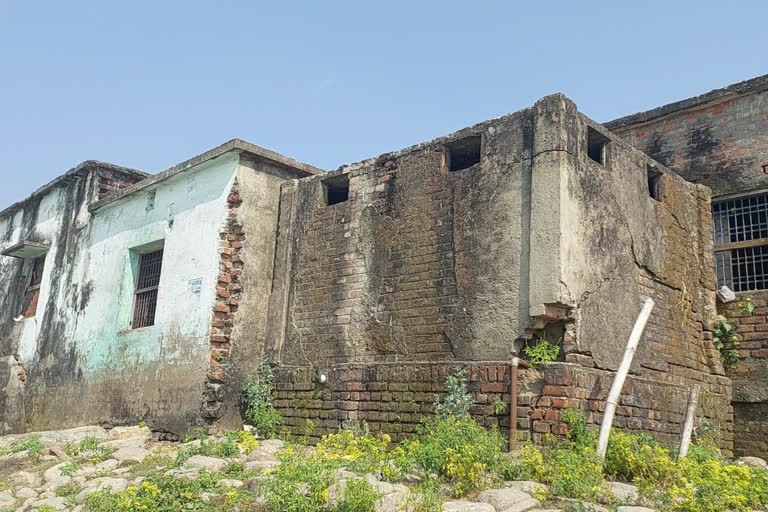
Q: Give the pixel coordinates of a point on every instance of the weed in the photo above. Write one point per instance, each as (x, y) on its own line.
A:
(541, 353)
(259, 391)
(457, 399)
(31, 444)
(726, 340)
(299, 484)
(70, 468)
(747, 306)
(499, 406)
(359, 496)
(425, 497)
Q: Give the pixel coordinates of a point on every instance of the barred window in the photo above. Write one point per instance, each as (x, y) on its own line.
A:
(740, 228)
(32, 290)
(147, 283)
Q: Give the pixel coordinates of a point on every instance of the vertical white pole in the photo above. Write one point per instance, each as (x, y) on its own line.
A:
(685, 442)
(621, 375)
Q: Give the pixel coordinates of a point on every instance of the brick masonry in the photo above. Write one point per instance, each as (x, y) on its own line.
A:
(750, 374)
(395, 397)
(109, 182)
(228, 291)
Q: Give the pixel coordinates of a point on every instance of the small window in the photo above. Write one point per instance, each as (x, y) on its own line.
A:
(147, 283)
(463, 153)
(336, 189)
(655, 184)
(596, 144)
(32, 290)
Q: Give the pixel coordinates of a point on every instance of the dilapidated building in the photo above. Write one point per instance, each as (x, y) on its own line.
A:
(128, 297)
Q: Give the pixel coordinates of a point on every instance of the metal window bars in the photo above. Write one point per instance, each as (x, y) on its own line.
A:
(147, 283)
(740, 229)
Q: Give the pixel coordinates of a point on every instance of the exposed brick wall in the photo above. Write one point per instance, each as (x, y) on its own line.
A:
(750, 374)
(723, 144)
(395, 397)
(228, 290)
(109, 182)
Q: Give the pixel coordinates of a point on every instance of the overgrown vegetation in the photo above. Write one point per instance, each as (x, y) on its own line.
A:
(541, 353)
(31, 444)
(726, 340)
(457, 399)
(259, 394)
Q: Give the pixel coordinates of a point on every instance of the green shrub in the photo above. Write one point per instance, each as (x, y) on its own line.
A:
(360, 452)
(541, 353)
(457, 448)
(499, 406)
(259, 391)
(425, 497)
(359, 496)
(457, 399)
(299, 484)
(227, 447)
(31, 444)
(70, 468)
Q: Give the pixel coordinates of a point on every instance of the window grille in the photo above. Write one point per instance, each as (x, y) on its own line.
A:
(740, 229)
(32, 290)
(147, 282)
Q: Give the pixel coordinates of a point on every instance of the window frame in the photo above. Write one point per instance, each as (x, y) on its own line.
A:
(146, 289)
(724, 231)
(30, 287)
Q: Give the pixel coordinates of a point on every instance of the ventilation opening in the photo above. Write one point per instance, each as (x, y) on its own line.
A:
(463, 153)
(596, 143)
(336, 189)
(655, 186)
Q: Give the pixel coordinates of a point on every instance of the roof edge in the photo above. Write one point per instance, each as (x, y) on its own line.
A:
(757, 84)
(79, 169)
(302, 169)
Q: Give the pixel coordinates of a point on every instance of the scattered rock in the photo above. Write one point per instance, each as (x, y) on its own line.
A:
(267, 450)
(13, 460)
(135, 432)
(54, 472)
(229, 482)
(98, 484)
(52, 485)
(508, 500)
(627, 508)
(263, 465)
(6, 499)
(57, 437)
(752, 462)
(585, 505)
(26, 479)
(26, 492)
(58, 451)
(467, 506)
(189, 473)
(204, 462)
(108, 465)
(56, 502)
(624, 492)
(131, 454)
(525, 486)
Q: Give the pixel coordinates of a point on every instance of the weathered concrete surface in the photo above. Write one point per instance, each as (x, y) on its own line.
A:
(717, 139)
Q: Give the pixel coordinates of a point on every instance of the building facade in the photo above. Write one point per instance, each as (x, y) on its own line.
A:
(386, 275)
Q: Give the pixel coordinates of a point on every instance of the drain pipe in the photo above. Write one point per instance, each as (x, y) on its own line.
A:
(516, 361)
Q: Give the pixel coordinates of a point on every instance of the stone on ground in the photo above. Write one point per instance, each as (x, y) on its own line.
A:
(467, 506)
(204, 462)
(26, 492)
(100, 484)
(229, 482)
(132, 454)
(57, 437)
(26, 479)
(508, 500)
(107, 465)
(134, 432)
(54, 472)
(624, 492)
(627, 508)
(55, 502)
(262, 465)
(6, 499)
(267, 450)
(581, 505)
(752, 462)
(526, 486)
(52, 485)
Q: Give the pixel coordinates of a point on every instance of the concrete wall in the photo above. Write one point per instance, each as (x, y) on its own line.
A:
(719, 139)
(535, 240)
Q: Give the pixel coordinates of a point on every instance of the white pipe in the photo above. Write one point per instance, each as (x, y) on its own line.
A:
(621, 375)
(685, 442)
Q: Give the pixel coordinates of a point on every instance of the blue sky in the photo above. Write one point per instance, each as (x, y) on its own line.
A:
(149, 84)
